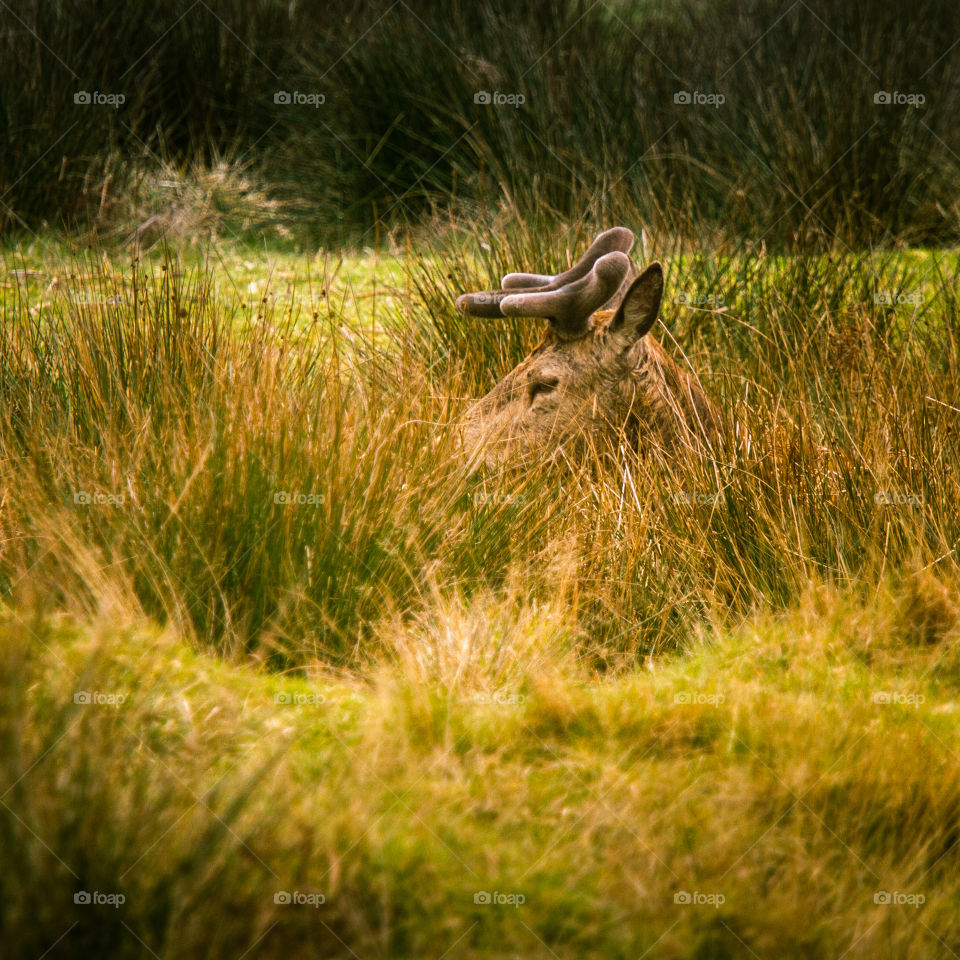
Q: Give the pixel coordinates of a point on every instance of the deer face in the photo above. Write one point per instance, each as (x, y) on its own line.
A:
(597, 375)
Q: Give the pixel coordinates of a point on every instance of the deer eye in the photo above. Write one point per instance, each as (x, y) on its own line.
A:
(543, 386)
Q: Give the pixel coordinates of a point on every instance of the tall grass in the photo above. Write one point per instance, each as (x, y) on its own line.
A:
(284, 482)
(254, 478)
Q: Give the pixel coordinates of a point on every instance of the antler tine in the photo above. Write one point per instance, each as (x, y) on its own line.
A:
(610, 241)
(569, 307)
(483, 304)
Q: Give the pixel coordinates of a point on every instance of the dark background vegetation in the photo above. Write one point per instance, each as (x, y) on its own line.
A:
(798, 153)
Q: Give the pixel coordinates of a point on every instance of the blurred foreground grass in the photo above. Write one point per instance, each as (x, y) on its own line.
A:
(787, 789)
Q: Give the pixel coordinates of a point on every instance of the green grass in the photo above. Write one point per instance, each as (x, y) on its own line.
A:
(52, 268)
(761, 766)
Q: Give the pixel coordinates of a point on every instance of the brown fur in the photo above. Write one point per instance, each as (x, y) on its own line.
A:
(615, 384)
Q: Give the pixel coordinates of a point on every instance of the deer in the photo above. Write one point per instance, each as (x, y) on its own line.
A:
(598, 375)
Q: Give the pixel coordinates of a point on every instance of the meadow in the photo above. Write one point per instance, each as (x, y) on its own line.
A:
(283, 673)
(701, 709)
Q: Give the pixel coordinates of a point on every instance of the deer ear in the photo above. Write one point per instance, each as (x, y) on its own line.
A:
(640, 306)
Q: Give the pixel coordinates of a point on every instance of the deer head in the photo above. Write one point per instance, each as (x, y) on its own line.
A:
(598, 375)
